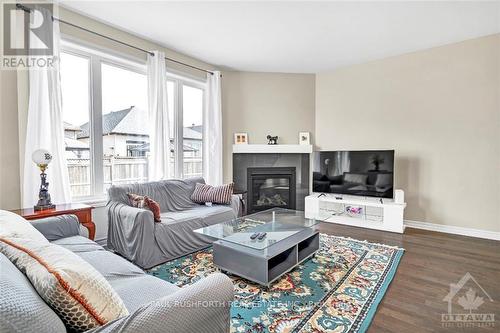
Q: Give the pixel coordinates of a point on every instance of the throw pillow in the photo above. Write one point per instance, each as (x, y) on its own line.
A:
(154, 207)
(204, 193)
(136, 200)
(13, 225)
(143, 201)
(78, 293)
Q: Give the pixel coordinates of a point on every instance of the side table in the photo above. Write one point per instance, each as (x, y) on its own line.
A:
(82, 211)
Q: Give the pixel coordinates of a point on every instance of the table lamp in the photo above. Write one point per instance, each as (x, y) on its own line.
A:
(42, 158)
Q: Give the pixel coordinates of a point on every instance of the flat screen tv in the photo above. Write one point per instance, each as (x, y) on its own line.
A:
(368, 173)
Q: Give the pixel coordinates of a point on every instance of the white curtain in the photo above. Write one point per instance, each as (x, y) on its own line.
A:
(45, 125)
(159, 134)
(212, 132)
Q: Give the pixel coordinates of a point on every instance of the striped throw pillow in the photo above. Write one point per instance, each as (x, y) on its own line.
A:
(204, 193)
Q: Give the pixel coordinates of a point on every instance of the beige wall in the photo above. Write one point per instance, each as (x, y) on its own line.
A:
(266, 103)
(10, 195)
(439, 109)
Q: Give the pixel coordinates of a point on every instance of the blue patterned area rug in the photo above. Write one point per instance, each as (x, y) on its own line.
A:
(337, 290)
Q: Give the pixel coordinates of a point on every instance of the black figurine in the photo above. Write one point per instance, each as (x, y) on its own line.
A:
(272, 140)
(44, 201)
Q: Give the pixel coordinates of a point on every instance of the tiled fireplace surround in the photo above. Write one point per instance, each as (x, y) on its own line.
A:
(280, 163)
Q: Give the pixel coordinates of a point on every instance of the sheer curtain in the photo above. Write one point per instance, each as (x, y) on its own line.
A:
(159, 136)
(212, 132)
(44, 128)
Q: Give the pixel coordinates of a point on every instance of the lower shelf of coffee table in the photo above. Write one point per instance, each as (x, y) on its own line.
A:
(265, 266)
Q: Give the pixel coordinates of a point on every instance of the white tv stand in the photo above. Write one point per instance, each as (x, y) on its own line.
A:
(384, 215)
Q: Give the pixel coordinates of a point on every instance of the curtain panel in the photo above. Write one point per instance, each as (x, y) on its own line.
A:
(159, 134)
(212, 131)
(44, 129)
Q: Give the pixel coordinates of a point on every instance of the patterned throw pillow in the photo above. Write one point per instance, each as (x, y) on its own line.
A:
(137, 201)
(79, 294)
(143, 201)
(204, 193)
(154, 207)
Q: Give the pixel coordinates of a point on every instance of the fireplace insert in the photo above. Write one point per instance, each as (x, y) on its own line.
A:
(270, 187)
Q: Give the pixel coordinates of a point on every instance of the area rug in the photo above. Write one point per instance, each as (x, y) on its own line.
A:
(337, 290)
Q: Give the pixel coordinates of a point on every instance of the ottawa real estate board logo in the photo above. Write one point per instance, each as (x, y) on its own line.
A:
(470, 296)
(27, 38)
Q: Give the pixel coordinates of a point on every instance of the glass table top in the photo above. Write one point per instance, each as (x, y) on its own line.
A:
(277, 223)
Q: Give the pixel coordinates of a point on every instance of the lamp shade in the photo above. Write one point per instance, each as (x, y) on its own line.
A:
(41, 157)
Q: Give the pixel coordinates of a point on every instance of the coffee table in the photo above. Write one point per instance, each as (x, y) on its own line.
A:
(290, 239)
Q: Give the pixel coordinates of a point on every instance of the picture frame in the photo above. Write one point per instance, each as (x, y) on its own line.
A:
(304, 138)
(240, 138)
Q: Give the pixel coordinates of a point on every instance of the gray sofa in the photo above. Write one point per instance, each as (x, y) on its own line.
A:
(154, 305)
(133, 233)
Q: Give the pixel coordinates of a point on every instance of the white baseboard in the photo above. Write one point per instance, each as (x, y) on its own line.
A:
(449, 229)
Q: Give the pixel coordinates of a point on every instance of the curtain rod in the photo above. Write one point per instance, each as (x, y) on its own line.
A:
(28, 10)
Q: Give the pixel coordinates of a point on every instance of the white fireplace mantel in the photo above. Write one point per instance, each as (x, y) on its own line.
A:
(263, 149)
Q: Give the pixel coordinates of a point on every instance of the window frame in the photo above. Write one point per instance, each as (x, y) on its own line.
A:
(97, 57)
(179, 81)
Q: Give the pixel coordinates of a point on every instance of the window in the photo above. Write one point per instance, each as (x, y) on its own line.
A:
(106, 121)
(75, 83)
(186, 101)
(192, 102)
(125, 123)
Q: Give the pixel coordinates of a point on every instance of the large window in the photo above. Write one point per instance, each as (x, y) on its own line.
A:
(106, 121)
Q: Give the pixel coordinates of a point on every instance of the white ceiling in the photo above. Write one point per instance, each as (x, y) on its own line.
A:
(296, 37)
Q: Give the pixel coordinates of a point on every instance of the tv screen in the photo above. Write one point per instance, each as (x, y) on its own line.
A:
(364, 172)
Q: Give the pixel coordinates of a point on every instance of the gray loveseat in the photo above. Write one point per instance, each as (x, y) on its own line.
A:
(154, 305)
(133, 233)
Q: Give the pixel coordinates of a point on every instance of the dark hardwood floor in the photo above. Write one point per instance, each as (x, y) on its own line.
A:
(432, 260)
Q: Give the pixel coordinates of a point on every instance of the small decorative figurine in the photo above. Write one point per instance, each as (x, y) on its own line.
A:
(272, 140)
(42, 159)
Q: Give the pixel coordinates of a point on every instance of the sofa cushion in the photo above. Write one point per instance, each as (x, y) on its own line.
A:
(81, 296)
(110, 265)
(141, 289)
(21, 308)
(78, 244)
(171, 195)
(207, 215)
(204, 193)
(13, 225)
(134, 287)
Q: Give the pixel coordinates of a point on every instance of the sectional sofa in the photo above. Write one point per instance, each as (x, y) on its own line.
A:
(154, 305)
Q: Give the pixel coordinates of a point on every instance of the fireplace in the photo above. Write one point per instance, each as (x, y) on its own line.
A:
(270, 187)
